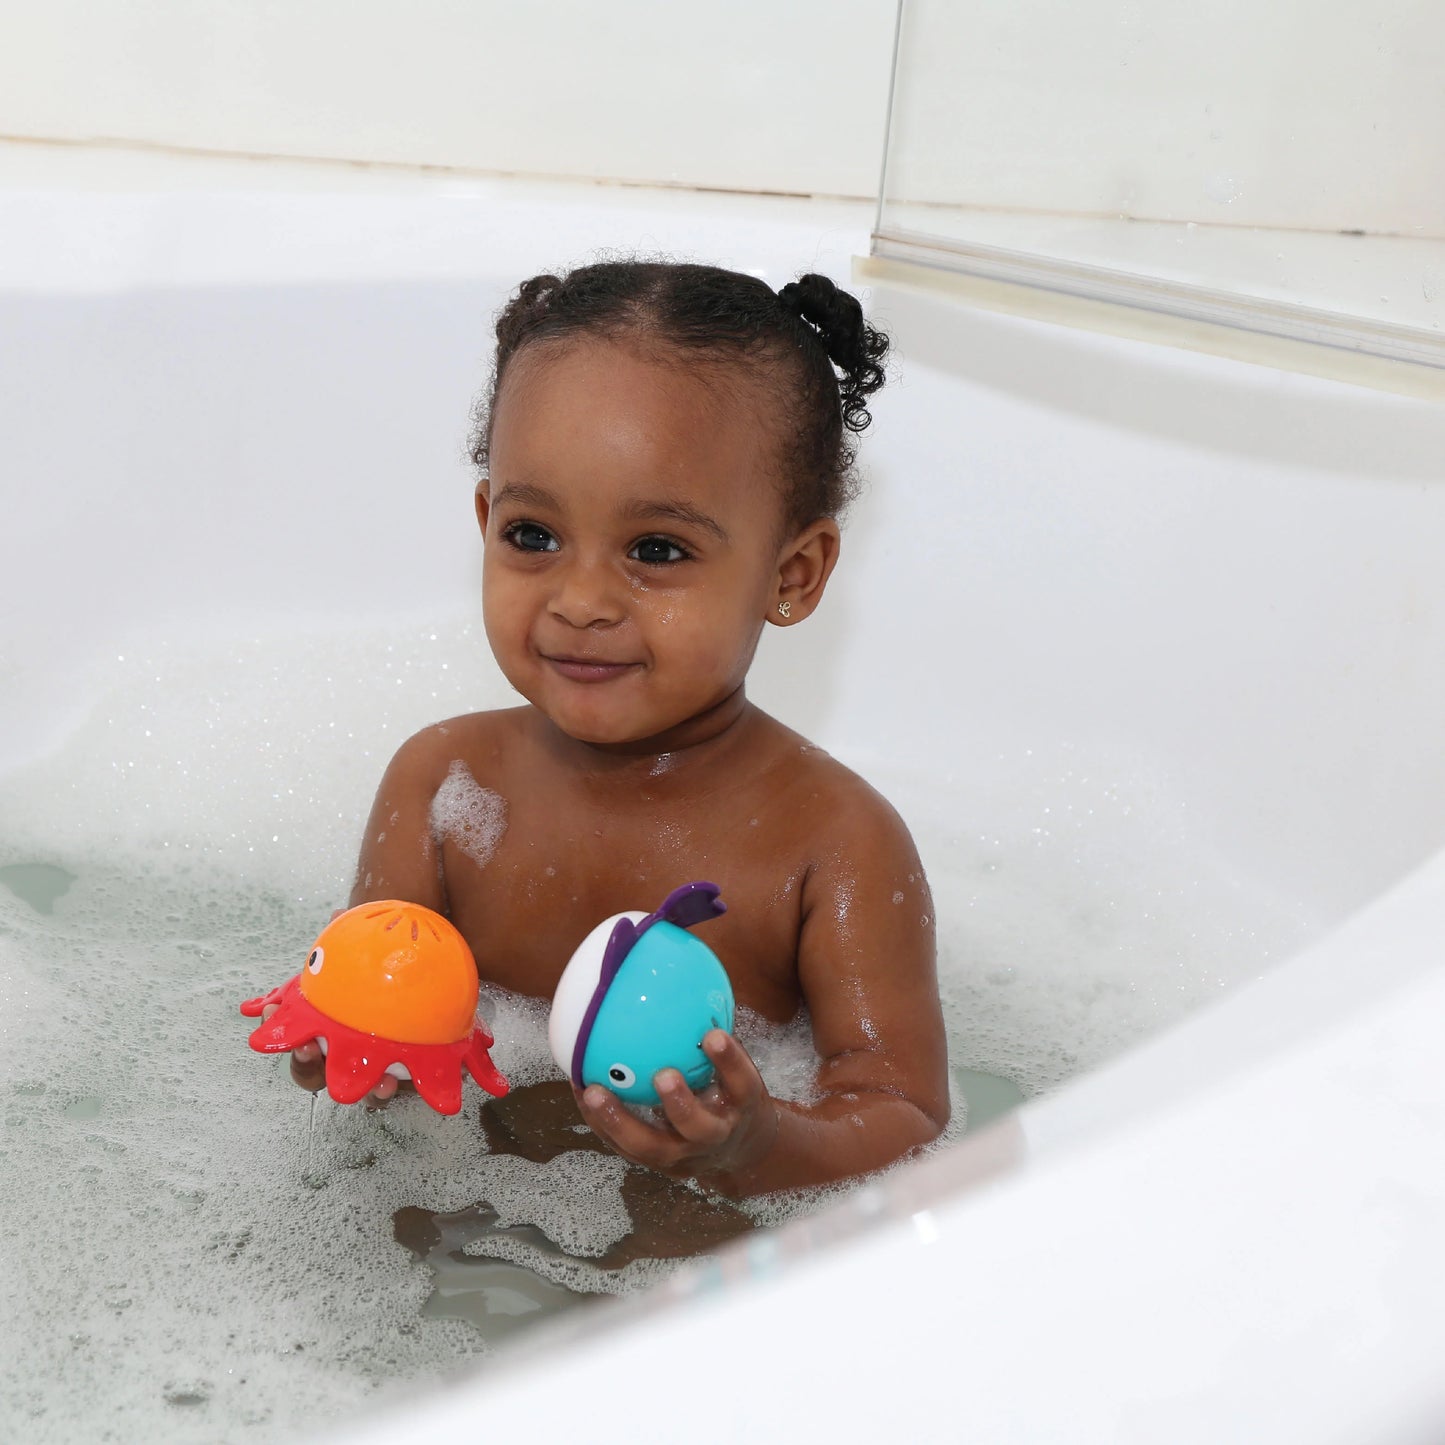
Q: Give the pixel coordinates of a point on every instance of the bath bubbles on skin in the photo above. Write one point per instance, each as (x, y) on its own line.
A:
(468, 815)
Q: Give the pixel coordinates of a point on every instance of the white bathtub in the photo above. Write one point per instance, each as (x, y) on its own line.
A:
(1223, 577)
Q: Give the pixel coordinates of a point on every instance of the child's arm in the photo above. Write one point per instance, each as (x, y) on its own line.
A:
(399, 858)
(867, 969)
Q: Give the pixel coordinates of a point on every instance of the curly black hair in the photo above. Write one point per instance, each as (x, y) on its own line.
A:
(795, 337)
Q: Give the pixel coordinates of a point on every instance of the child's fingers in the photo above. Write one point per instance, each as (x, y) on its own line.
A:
(310, 1073)
(308, 1069)
(625, 1132)
(692, 1119)
(736, 1071)
(697, 1125)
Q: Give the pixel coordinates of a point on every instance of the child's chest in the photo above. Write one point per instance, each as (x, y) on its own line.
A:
(555, 873)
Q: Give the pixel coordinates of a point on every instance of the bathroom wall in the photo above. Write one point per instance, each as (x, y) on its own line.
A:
(749, 95)
(1290, 114)
(1287, 114)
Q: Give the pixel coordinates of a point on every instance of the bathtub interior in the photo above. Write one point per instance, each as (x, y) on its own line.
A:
(1140, 641)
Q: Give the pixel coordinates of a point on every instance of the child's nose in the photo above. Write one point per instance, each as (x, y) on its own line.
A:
(588, 594)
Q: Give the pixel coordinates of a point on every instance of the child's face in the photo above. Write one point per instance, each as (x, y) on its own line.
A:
(632, 524)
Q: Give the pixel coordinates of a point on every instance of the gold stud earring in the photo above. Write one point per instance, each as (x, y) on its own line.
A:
(785, 609)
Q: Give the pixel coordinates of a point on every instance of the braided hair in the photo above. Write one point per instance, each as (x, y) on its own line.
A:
(808, 342)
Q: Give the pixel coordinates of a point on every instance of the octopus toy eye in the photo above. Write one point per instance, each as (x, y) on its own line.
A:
(621, 1075)
(314, 962)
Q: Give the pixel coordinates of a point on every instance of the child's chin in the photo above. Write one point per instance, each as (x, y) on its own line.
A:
(600, 735)
(606, 731)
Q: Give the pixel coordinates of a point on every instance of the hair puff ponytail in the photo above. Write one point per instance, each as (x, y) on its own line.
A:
(853, 346)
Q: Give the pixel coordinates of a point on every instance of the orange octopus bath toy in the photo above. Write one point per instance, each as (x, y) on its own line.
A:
(388, 987)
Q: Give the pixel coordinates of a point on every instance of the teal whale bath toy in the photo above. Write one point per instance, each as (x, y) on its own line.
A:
(638, 995)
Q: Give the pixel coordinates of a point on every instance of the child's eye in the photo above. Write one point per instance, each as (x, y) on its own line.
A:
(529, 537)
(656, 550)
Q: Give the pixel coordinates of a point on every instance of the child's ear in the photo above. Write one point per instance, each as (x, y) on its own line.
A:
(804, 566)
(484, 504)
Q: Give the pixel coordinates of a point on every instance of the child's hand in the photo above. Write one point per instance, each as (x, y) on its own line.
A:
(308, 1069)
(722, 1131)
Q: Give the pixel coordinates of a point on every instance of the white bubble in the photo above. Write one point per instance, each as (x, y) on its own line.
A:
(469, 815)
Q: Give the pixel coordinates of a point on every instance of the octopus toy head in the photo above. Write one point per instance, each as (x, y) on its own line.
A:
(638, 996)
(388, 987)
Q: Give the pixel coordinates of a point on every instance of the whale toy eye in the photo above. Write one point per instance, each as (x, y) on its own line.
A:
(622, 1076)
(314, 962)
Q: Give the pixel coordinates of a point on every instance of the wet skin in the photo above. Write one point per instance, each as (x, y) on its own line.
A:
(635, 545)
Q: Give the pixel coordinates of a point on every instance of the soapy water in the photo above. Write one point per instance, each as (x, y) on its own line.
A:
(193, 1249)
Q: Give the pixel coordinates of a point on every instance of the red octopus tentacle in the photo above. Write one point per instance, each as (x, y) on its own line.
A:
(480, 1066)
(296, 1021)
(253, 1007)
(437, 1073)
(355, 1063)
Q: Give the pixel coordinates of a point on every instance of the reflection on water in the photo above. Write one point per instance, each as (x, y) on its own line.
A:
(495, 1296)
(38, 884)
(481, 1260)
(480, 1257)
(986, 1096)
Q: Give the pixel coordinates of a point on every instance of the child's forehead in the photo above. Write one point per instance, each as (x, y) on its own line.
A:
(598, 380)
(604, 409)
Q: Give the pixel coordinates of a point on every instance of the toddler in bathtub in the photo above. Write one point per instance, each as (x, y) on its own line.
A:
(663, 458)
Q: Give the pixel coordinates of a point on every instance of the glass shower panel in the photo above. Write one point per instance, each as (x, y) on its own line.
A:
(1272, 164)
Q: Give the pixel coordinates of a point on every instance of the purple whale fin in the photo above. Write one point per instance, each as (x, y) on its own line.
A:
(686, 907)
(689, 905)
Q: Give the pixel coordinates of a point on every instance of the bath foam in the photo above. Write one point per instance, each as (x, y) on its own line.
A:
(229, 1267)
(520, 1027)
(199, 1283)
(578, 1275)
(133, 1133)
(574, 1199)
(261, 755)
(1077, 910)
(783, 1053)
(468, 815)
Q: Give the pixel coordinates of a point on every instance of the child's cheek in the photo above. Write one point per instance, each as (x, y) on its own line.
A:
(713, 650)
(507, 628)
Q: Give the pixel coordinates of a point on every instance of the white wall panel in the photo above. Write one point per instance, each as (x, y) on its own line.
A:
(1277, 113)
(747, 95)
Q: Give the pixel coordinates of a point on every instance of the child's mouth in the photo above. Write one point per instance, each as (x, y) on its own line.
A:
(586, 669)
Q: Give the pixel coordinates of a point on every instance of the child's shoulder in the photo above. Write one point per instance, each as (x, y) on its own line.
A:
(479, 740)
(816, 787)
